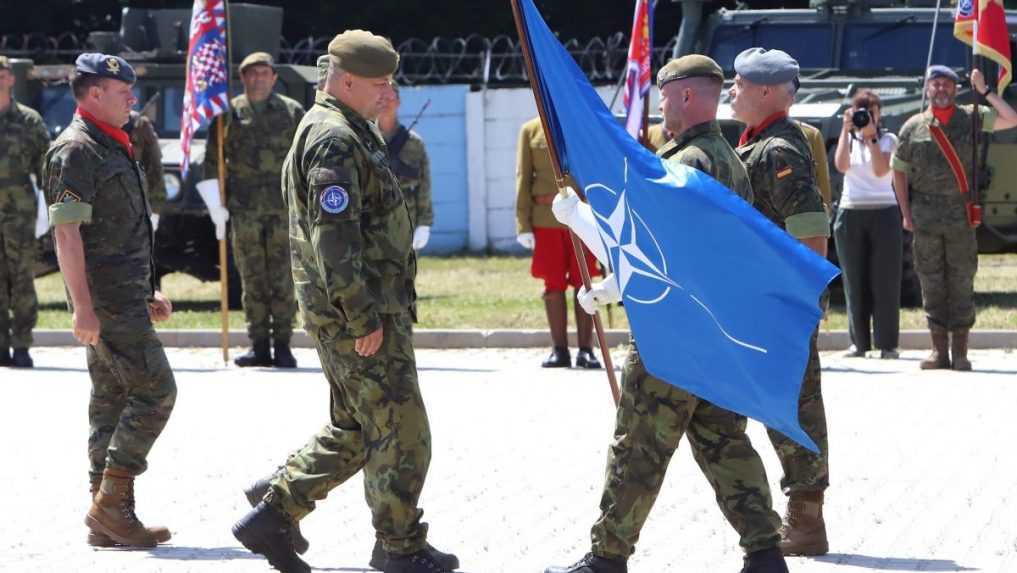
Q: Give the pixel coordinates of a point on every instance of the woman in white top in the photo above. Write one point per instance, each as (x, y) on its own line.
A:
(867, 229)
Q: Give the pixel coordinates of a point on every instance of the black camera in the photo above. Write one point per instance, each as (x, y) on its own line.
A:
(861, 117)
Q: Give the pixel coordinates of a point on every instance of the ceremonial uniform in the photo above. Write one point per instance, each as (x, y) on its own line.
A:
(149, 155)
(23, 142)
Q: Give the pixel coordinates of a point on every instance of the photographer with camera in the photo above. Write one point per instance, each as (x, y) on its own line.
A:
(867, 229)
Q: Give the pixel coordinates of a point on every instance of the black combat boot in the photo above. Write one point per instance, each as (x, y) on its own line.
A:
(256, 492)
(587, 359)
(765, 561)
(593, 564)
(258, 355)
(379, 558)
(5, 356)
(558, 323)
(559, 358)
(22, 359)
(266, 531)
(420, 562)
(282, 357)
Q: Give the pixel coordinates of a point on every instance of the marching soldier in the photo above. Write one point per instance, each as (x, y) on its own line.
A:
(932, 190)
(653, 415)
(407, 156)
(23, 142)
(779, 162)
(354, 265)
(103, 233)
(258, 134)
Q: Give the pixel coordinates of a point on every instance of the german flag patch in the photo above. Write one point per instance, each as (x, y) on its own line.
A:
(784, 173)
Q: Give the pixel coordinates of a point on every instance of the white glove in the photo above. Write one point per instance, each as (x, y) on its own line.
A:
(600, 294)
(41, 212)
(578, 216)
(209, 191)
(155, 221)
(565, 205)
(526, 240)
(420, 237)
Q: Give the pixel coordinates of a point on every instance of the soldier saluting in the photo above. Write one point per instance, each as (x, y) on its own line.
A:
(100, 214)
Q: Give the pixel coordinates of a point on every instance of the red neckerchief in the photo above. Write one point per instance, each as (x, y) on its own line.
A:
(943, 114)
(751, 132)
(118, 135)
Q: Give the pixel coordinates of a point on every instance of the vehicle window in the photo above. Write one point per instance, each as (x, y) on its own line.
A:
(902, 46)
(810, 44)
(172, 105)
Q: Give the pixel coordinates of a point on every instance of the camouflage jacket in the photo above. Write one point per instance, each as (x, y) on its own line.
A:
(935, 199)
(90, 179)
(408, 158)
(256, 144)
(703, 147)
(147, 151)
(534, 178)
(350, 230)
(23, 142)
(783, 178)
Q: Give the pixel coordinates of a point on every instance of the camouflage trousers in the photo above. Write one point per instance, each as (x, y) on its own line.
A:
(652, 418)
(19, 307)
(261, 249)
(946, 260)
(133, 393)
(804, 470)
(378, 424)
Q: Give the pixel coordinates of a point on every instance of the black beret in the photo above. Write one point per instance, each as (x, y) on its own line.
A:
(105, 66)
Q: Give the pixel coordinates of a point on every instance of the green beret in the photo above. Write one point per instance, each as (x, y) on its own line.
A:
(5, 64)
(690, 66)
(364, 54)
(257, 58)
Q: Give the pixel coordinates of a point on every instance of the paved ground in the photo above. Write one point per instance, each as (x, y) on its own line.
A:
(923, 468)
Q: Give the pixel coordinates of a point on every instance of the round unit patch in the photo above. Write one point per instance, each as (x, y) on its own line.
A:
(334, 199)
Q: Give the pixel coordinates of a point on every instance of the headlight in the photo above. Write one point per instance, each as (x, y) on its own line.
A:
(172, 183)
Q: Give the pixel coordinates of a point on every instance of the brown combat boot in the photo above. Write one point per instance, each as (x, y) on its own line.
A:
(959, 350)
(112, 513)
(939, 358)
(97, 539)
(804, 531)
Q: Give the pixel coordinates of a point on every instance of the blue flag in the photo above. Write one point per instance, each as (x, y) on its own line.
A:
(722, 302)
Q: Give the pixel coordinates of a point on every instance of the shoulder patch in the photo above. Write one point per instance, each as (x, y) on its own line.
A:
(334, 199)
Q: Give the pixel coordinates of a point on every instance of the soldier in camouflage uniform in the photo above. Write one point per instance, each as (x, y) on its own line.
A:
(149, 154)
(258, 134)
(23, 142)
(102, 228)
(407, 157)
(779, 161)
(946, 252)
(353, 266)
(654, 415)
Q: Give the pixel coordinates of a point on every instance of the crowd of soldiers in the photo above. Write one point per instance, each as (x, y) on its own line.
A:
(338, 242)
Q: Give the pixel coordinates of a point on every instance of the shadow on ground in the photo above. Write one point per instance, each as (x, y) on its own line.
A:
(892, 563)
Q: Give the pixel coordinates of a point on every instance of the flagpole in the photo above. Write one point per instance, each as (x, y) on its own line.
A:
(220, 129)
(932, 43)
(577, 246)
(973, 198)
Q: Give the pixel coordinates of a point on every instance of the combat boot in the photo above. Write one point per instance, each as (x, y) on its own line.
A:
(5, 356)
(804, 531)
(587, 359)
(283, 357)
(379, 558)
(258, 355)
(112, 513)
(557, 322)
(591, 563)
(97, 539)
(256, 492)
(940, 357)
(959, 350)
(559, 358)
(420, 562)
(22, 359)
(266, 531)
(765, 561)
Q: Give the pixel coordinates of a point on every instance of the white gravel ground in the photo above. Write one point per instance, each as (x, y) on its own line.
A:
(923, 468)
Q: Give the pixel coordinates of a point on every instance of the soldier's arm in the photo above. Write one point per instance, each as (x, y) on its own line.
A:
(822, 163)
(425, 210)
(796, 197)
(336, 234)
(524, 184)
(900, 162)
(39, 144)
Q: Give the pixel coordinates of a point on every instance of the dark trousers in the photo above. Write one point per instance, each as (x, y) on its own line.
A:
(869, 247)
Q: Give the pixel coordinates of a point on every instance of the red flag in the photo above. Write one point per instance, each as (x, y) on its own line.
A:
(637, 69)
(985, 29)
(206, 92)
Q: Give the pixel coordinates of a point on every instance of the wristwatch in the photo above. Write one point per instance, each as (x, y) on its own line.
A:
(986, 93)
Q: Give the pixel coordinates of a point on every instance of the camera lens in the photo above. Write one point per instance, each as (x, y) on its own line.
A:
(860, 118)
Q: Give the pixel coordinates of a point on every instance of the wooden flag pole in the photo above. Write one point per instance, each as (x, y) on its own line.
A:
(224, 305)
(577, 246)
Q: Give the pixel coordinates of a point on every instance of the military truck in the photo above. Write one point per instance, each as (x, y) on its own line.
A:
(155, 42)
(847, 45)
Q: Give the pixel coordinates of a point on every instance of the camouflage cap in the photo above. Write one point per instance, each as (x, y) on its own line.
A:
(5, 64)
(105, 66)
(940, 71)
(766, 67)
(255, 59)
(364, 54)
(690, 66)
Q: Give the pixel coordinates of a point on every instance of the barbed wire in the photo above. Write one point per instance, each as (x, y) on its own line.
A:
(472, 59)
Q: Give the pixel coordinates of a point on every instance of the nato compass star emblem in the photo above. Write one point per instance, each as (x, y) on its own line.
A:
(641, 267)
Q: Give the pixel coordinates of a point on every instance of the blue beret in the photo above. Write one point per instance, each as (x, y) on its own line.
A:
(766, 67)
(938, 71)
(105, 66)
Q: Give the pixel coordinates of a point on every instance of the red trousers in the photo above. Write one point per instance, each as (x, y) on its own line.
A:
(554, 260)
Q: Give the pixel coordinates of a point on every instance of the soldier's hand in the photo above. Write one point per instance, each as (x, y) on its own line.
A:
(86, 326)
(907, 224)
(527, 240)
(978, 81)
(160, 308)
(369, 345)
